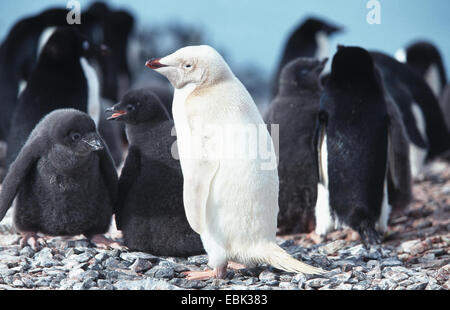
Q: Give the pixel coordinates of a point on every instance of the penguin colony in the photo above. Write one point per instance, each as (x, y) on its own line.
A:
(350, 141)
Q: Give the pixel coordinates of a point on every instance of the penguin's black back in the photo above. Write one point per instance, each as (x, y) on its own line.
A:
(401, 74)
(356, 138)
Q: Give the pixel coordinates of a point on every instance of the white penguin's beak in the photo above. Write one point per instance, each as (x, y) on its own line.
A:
(155, 64)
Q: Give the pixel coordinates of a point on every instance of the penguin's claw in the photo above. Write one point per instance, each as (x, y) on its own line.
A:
(32, 239)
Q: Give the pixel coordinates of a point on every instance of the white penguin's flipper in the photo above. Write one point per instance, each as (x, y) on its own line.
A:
(197, 182)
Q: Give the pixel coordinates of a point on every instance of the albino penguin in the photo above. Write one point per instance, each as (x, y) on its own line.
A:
(232, 202)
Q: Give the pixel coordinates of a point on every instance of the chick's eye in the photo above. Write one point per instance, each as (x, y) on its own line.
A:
(76, 136)
(130, 108)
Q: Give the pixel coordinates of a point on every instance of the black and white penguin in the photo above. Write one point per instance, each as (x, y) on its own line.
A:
(425, 58)
(104, 25)
(64, 180)
(62, 78)
(362, 147)
(310, 39)
(422, 115)
(150, 209)
(18, 55)
(295, 109)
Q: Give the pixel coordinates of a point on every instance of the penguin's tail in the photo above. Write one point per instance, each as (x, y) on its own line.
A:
(275, 256)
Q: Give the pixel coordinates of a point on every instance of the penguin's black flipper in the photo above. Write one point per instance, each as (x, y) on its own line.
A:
(17, 172)
(130, 171)
(109, 172)
(399, 170)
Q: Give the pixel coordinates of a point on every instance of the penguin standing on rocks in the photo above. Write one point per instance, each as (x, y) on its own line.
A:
(231, 201)
(150, 209)
(62, 78)
(310, 39)
(422, 115)
(362, 149)
(295, 110)
(63, 179)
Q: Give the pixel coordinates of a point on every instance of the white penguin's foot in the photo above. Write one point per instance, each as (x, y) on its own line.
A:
(32, 239)
(236, 266)
(101, 241)
(218, 273)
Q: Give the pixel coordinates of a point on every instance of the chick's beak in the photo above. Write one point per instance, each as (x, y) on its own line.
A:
(93, 142)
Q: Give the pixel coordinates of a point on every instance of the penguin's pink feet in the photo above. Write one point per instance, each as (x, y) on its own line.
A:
(32, 239)
(217, 273)
(315, 237)
(102, 242)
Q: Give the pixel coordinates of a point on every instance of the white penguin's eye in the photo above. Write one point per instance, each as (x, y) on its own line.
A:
(76, 136)
(86, 45)
(187, 66)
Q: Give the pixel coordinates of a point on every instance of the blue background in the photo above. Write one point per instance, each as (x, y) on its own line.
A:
(254, 31)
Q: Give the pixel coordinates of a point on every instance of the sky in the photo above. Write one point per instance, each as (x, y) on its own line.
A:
(254, 31)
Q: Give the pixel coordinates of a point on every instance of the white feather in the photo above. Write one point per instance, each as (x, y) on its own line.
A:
(93, 107)
(417, 154)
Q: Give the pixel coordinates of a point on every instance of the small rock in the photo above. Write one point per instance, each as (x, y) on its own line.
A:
(407, 246)
(316, 283)
(44, 258)
(387, 284)
(332, 247)
(132, 256)
(76, 274)
(392, 261)
(27, 252)
(151, 284)
(160, 272)
(198, 260)
(43, 282)
(288, 286)
(267, 276)
(141, 265)
(183, 283)
(418, 286)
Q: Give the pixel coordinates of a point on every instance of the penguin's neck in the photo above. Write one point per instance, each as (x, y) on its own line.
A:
(152, 137)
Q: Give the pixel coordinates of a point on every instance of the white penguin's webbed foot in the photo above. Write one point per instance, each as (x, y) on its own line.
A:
(218, 273)
(101, 241)
(33, 240)
(236, 266)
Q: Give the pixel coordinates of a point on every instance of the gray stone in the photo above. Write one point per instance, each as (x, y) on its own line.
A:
(198, 260)
(387, 284)
(392, 261)
(43, 282)
(132, 256)
(141, 265)
(316, 283)
(152, 284)
(27, 252)
(332, 247)
(183, 283)
(161, 272)
(267, 276)
(418, 286)
(44, 258)
(288, 286)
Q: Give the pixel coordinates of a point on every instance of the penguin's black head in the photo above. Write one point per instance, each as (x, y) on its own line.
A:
(301, 73)
(312, 26)
(67, 45)
(75, 131)
(352, 64)
(139, 106)
(421, 55)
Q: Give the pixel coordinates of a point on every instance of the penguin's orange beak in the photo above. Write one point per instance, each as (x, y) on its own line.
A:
(155, 64)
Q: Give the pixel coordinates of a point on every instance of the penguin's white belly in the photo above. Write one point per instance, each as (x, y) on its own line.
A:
(93, 107)
(242, 208)
(324, 219)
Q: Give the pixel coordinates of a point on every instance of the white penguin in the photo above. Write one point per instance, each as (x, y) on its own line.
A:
(231, 202)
